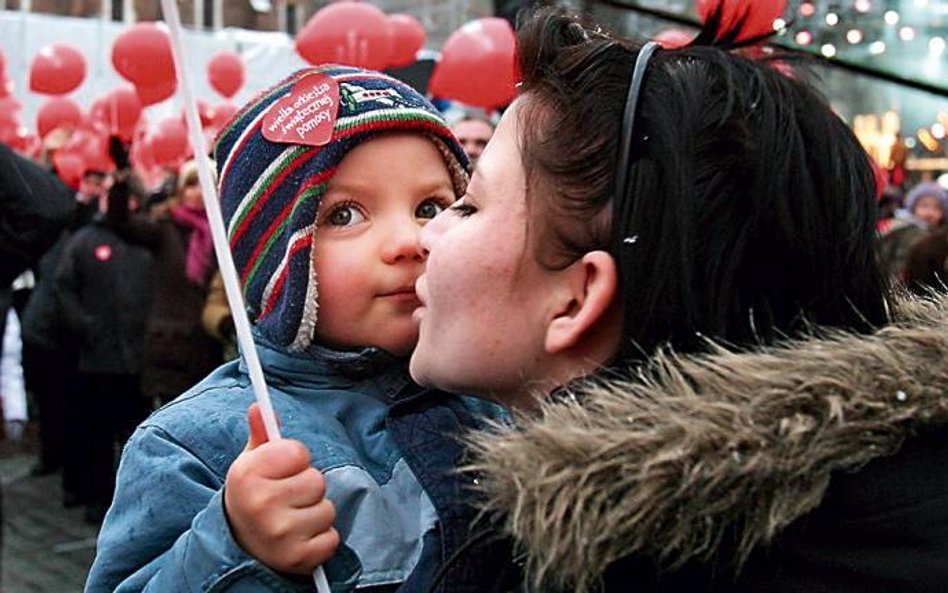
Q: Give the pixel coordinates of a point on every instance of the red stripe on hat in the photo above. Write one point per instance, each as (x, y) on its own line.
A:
(297, 246)
(265, 196)
(278, 221)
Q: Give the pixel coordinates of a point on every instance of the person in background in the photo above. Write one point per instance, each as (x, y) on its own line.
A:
(217, 319)
(178, 352)
(927, 203)
(104, 287)
(924, 212)
(91, 194)
(35, 207)
(473, 132)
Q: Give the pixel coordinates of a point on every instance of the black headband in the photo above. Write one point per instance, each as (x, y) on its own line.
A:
(628, 117)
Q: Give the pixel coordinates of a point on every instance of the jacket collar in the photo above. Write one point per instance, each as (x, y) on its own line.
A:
(691, 452)
(371, 370)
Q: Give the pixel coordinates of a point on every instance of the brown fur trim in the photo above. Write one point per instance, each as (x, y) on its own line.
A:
(663, 465)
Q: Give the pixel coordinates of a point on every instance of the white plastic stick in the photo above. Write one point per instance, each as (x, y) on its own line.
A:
(221, 246)
(212, 206)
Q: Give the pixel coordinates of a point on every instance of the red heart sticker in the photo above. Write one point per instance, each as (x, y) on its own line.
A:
(103, 253)
(307, 115)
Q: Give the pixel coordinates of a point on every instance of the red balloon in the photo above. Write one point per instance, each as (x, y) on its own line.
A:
(57, 69)
(6, 87)
(169, 142)
(673, 38)
(408, 36)
(9, 109)
(119, 110)
(93, 147)
(758, 16)
(149, 94)
(70, 167)
(222, 114)
(57, 112)
(226, 73)
(15, 135)
(205, 114)
(349, 33)
(478, 65)
(3, 65)
(142, 55)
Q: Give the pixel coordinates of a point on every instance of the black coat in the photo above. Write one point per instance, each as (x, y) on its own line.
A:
(881, 529)
(35, 207)
(104, 288)
(178, 351)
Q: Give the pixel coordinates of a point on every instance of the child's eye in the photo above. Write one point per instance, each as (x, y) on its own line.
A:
(430, 208)
(462, 208)
(345, 215)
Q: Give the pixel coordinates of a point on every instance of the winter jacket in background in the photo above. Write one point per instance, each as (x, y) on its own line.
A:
(104, 288)
(35, 206)
(178, 351)
(926, 268)
(217, 319)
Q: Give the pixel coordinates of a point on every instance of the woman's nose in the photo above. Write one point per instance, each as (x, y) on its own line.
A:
(430, 232)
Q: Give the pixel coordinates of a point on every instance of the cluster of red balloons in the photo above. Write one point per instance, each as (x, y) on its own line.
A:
(142, 55)
(477, 63)
(359, 34)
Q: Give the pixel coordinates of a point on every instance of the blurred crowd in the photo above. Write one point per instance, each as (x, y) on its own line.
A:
(913, 235)
(124, 312)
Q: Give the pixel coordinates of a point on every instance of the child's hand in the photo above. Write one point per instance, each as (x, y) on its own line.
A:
(276, 503)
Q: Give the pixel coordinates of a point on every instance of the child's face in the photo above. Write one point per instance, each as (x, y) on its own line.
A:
(366, 251)
(928, 209)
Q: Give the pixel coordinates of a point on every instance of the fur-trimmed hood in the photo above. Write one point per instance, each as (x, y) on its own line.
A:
(695, 448)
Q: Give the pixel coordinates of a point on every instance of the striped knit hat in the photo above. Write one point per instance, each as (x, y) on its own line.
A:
(270, 191)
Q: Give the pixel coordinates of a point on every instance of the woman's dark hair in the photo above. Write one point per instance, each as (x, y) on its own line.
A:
(750, 209)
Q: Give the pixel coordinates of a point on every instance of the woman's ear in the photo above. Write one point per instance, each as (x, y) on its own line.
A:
(589, 292)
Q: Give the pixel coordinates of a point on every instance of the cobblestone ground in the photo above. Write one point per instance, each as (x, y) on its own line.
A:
(46, 548)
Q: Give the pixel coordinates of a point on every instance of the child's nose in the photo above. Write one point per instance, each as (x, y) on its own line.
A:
(402, 244)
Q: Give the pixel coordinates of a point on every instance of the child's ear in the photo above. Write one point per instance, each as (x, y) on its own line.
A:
(589, 287)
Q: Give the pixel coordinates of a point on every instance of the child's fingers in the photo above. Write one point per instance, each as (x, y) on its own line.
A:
(321, 548)
(306, 555)
(304, 489)
(258, 431)
(279, 460)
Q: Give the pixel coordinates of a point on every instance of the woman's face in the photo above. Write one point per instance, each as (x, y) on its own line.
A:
(484, 306)
(191, 195)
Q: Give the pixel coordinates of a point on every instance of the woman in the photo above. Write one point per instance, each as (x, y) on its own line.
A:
(178, 352)
(696, 200)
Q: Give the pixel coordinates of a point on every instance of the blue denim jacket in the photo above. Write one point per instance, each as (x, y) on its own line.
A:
(166, 530)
